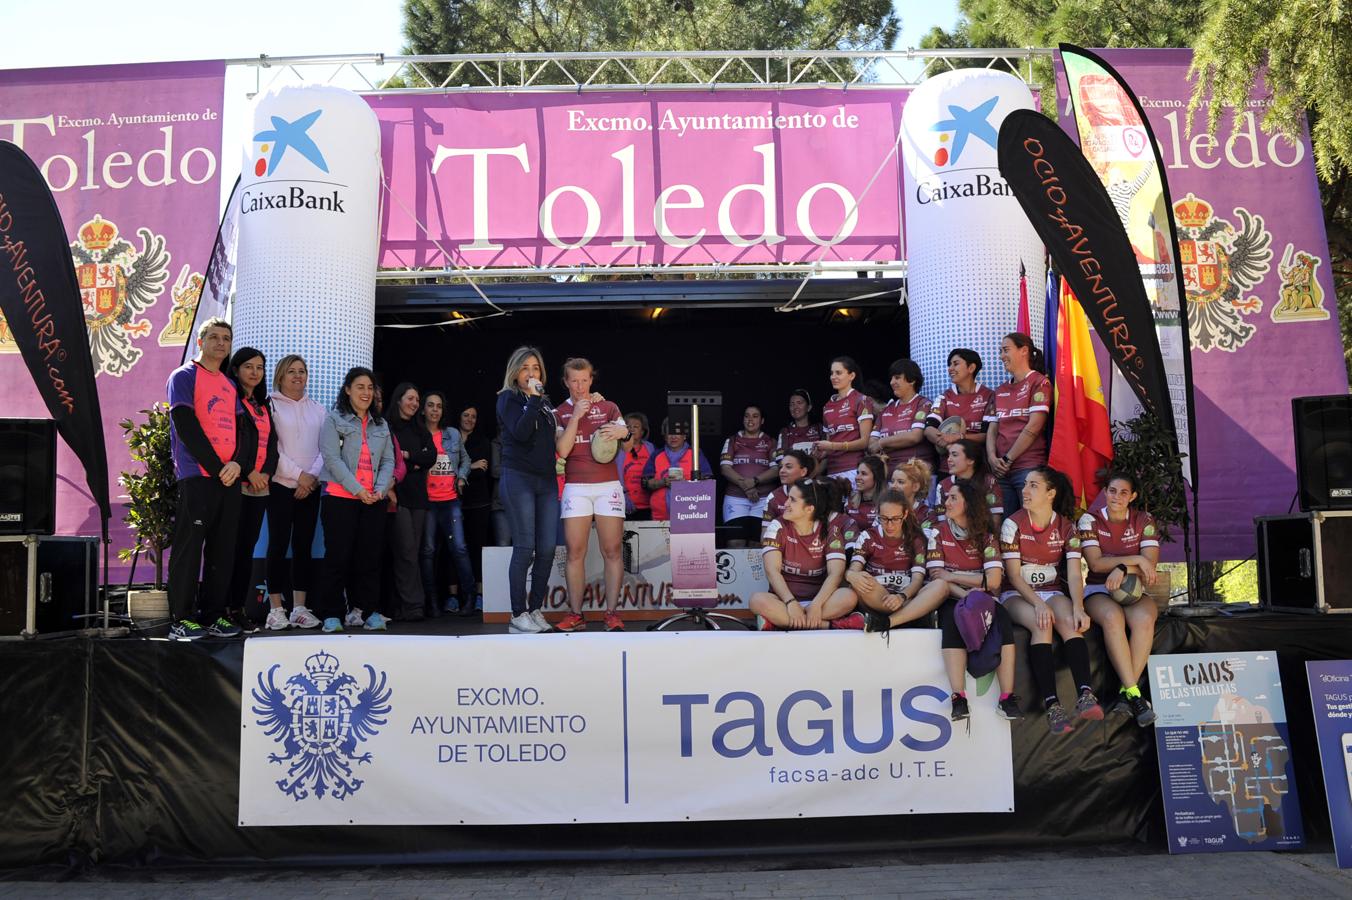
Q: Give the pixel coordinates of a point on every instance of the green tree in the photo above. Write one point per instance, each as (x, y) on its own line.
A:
(567, 26)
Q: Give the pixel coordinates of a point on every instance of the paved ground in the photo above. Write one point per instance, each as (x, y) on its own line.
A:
(1129, 872)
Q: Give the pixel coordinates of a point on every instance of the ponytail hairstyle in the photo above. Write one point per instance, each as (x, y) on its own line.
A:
(1119, 475)
(852, 367)
(817, 495)
(979, 527)
(972, 450)
(878, 470)
(1063, 504)
(837, 491)
(1036, 361)
(910, 528)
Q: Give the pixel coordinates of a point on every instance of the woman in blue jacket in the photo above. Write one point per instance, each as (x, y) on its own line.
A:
(529, 489)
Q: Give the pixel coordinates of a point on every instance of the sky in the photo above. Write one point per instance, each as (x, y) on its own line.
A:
(164, 30)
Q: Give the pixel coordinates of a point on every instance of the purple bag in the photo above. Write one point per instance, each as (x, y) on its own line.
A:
(974, 617)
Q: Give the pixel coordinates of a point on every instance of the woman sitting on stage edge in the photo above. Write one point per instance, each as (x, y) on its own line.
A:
(804, 563)
(1119, 541)
(888, 568)
(1041, 548)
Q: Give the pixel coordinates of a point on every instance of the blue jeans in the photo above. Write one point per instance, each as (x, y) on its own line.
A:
(444, 518)
(1012, 487)
(532, 506)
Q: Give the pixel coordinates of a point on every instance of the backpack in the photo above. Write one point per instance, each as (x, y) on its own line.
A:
(974, 617)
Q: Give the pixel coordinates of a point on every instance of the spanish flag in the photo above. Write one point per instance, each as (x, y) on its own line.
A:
(1082, 439)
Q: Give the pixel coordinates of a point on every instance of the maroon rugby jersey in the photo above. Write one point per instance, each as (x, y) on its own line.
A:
(841, 422)
(972, 408)
(580, 467)
(995, 498)
(886, 559)
(897, 418)
(804, 556)
(1009, 410)
(1127, 538)
(749, 456)
(1042, 555)
(797, 437)
(948, 551)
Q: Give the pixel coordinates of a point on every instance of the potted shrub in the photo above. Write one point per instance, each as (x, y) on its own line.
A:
(1147, 451)
(152, 497)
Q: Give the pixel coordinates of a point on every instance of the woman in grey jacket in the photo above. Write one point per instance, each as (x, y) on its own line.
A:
(446, 519)
(358, 470)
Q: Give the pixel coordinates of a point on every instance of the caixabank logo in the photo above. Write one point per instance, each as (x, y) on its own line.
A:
(950, 180)
(321, 717)
(288, 144)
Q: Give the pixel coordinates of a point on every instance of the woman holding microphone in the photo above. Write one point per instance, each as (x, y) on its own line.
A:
(527, 487)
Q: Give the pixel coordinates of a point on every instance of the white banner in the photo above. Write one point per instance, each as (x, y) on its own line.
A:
(498, 730)
(647, 574)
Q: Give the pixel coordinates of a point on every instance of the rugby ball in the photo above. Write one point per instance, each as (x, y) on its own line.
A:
(953, 425)
(603, 449)
(1130, 591)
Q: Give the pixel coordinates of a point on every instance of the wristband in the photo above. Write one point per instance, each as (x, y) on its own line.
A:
(1006, 460)
(1122, 567)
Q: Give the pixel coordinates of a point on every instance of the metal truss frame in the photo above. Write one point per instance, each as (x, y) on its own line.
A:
(378, 74)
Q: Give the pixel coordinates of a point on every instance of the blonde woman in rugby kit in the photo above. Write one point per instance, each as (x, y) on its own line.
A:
(591, 490)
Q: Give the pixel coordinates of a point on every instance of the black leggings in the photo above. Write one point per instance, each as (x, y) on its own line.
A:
(251, 512)
(952, 638)
(291, 523)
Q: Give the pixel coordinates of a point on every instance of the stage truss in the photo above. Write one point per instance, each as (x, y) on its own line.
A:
(377, 74)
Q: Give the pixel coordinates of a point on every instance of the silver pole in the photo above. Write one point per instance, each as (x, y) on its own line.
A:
(694, 440)
(31, 612)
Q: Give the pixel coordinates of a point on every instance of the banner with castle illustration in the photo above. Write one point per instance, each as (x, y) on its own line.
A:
(132, 155)
(1224, 753)
(1253, 256)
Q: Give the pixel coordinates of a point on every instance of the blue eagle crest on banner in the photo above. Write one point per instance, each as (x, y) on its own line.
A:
(320, 718)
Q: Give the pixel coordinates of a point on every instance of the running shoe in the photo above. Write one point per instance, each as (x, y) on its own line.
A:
(523, 624)
(277, 620)
(332, 624)
(764, 624)
(301, 617)
(853, 622)
(451, 606)
(223, 628)
(186, 630)
(538, 617)
(877, 622)
(1057, 720)
(376, 622)
(1008, 708)
(354, 618)
(1142, 710)
(1120, 706)
(572, 622)
(614, 622)
(960, 708)
(1087, 707)
(245, 624)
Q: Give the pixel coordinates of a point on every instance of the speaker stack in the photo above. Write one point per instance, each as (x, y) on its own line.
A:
(1305, 561)
(27, 476)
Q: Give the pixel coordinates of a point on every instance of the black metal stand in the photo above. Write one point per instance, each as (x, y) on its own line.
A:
(700, 616)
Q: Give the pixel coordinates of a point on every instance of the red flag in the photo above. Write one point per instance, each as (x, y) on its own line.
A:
(1024, 325)
(1082, 439)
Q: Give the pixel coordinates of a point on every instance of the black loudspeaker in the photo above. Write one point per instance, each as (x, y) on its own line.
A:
(27, 476)
(1323, 428)
(68, 583)
(1305, 562)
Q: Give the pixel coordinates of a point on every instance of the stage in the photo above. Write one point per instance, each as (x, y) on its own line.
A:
(128, 751)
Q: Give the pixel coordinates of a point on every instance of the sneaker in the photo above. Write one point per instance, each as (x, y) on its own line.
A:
(245, 624)
(960, 708)
(764, 624)
(1087, 707)
(613, 622)
(376, 622)
(451, 606)
(277, 620)
(1142, 710)
(1057, 720)
(1008, 708)
(332, 624)
(301, 617)
(542, 624)
(572, 622)
(854, 622)
(523, 624)
(1120, 706)
(354, 618)
(875, 622)
(186, 630)
(223, 628)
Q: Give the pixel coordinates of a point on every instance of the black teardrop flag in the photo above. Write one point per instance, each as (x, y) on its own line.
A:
(1072, 213)
(40, 300)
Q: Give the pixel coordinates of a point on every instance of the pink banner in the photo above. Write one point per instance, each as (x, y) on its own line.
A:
(132, 156)
(668, 178)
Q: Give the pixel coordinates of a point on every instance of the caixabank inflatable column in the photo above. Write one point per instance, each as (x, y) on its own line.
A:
(966, 234)
(309, 233)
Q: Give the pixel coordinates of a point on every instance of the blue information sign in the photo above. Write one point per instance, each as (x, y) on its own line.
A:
(1331, 694)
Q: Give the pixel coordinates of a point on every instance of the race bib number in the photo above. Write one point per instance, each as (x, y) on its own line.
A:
(895, 581)
(1038, 576)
